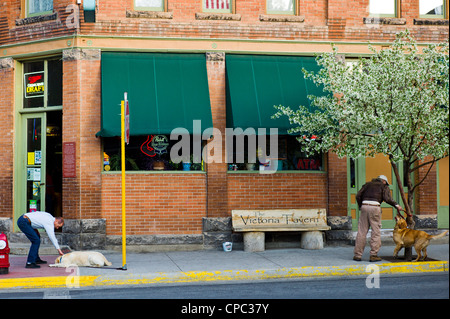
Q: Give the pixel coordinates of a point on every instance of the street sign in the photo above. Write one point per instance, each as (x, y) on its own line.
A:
(127, 122)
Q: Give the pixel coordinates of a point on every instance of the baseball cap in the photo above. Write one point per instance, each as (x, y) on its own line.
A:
(384, 178)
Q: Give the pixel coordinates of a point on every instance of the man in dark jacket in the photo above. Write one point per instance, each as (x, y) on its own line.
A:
(369, 199)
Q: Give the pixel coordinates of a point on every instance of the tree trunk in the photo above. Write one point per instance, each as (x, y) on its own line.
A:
(407, 203)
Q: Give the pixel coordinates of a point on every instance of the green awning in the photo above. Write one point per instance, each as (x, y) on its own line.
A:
(256, 83)
(165, 91)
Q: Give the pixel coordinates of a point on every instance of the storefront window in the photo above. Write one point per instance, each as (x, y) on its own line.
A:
(148, 153)
(289, 157)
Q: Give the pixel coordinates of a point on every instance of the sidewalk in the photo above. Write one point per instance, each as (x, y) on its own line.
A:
(208, 265)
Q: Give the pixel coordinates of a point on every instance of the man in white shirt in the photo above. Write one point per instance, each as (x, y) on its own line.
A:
(29, 224)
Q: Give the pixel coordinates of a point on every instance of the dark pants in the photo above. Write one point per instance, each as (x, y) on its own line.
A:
(32, 235)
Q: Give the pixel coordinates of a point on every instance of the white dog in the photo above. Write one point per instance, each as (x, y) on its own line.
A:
(81, 259)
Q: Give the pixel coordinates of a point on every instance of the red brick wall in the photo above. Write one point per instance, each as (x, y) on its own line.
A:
(325, 20)
(426, 194)
(336, 20)
(337, 185)
(6, 140)
(217, 172)
(277, 191)
(155, 203)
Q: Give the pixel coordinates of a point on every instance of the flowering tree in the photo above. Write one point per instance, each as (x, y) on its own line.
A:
(394, 102)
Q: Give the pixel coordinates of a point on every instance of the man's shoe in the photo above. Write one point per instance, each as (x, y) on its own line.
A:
(32, 265)
(356, 258)
(374, 258)
(40, 261)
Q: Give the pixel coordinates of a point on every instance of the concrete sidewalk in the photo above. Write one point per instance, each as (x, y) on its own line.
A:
(208, 265)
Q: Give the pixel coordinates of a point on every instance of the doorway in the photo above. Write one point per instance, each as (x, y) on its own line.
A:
(38, 156)
(363, 170)
(40, 184)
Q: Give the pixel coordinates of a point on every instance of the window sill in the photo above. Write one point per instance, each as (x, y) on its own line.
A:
(37, 19)
(388, 21)
(217, 16)
(149, 14)
(281, 18)
(438, 22)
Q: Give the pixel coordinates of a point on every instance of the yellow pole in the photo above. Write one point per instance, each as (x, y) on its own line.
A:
(124, 231)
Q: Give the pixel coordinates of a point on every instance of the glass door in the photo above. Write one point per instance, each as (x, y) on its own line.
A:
(33, 158)
(363, 170)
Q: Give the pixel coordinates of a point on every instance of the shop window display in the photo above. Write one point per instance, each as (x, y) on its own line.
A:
(289, 157)
(147, 153)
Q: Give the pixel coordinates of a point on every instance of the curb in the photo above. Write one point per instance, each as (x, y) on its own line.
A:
(223, 275)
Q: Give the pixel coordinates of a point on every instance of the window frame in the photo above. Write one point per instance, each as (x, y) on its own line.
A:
(161, 8)
(444, 14)
(218, 10)
(27, 9)
(48, 86)
(292, 13)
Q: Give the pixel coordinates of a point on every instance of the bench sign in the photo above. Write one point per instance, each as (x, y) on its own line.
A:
(279, 220)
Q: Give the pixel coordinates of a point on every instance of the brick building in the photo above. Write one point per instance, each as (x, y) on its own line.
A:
(65, 64)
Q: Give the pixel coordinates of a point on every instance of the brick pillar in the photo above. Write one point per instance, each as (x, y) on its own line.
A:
(337, 185)
(217, 172)
(81, 120)
(336, 19)
(426, 194)
(6, 136)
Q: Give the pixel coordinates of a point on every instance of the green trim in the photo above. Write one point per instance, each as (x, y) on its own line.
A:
(443, 211)
(45, 54)
(20, 171)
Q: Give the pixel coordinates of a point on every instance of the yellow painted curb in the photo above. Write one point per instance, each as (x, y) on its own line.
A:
(225, 275)
(47, 282)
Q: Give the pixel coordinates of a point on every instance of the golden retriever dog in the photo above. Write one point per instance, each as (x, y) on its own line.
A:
(405, 237)
(81, 259)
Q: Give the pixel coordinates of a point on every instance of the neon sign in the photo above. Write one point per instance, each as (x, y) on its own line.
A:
(146, 147)
(34, 84)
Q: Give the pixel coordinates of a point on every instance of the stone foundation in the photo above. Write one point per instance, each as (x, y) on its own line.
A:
(340, 232)
(84, 234)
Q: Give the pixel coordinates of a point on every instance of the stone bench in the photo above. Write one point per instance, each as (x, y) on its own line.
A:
(254, 224)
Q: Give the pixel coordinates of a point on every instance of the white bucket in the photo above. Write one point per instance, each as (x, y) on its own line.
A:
(227, 246)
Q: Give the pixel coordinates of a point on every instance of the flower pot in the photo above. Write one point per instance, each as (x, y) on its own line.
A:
(186, 166)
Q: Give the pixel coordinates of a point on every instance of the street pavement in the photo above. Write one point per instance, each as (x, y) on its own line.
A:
(211, 265)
